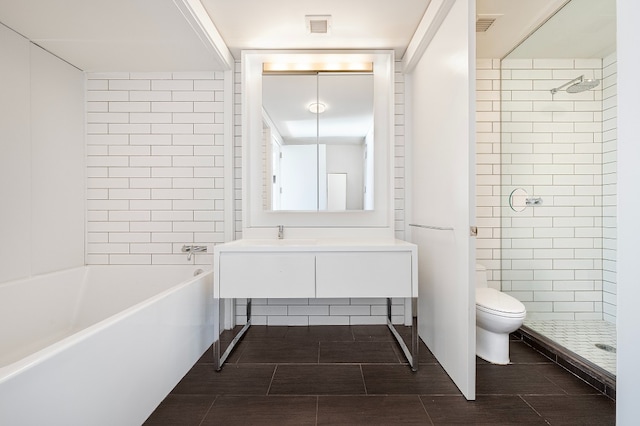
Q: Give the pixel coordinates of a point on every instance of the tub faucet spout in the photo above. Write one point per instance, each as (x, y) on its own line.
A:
(190, 250)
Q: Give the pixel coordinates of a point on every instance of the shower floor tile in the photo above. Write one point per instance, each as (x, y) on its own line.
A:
(581, 338)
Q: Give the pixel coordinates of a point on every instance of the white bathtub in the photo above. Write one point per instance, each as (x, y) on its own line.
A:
(99, 345)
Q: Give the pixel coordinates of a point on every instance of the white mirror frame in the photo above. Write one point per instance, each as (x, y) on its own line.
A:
(378, 222)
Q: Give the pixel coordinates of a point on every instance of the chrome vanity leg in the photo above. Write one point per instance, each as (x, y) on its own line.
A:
(219, 360)
(411, 355)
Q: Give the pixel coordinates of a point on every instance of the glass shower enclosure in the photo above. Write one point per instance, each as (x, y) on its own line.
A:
(558, 180)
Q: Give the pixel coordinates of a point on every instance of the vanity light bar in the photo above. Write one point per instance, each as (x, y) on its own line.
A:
(295, 68)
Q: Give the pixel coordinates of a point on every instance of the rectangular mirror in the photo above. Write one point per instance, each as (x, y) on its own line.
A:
(316, 124)
(311, 115)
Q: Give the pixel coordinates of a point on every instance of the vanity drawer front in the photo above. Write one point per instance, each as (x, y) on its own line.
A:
(264, 275)
(363, 274)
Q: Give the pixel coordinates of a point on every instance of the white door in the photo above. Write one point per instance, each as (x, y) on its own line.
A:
(299, 181)
(441, 89)
(336, 191)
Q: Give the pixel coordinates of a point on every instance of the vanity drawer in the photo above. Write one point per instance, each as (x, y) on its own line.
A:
(267, 275)
(363, 274)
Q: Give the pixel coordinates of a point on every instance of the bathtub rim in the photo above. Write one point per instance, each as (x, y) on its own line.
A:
(9, 371)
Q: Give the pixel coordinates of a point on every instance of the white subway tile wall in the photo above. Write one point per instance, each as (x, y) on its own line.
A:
(488, 168)
(609, 187)
(324, 311)
(154, 166)
(557, 257)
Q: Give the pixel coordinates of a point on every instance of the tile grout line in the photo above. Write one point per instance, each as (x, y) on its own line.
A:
(275, 369)
(534, 410)
(364, 383)
(425, 410)
(208, 410)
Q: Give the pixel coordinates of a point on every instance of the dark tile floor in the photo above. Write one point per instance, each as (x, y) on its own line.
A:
(357, 376)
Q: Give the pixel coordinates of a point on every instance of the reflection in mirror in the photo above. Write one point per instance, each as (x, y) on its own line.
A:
(316, 127)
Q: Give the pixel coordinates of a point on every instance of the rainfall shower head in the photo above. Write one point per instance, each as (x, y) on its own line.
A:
(577, 85)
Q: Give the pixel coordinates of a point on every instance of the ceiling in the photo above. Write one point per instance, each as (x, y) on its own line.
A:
(280, 24)
(585, 28)
(163, 35)
(112, 35)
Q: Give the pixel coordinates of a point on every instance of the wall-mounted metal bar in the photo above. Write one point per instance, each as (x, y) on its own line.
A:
(437, 228)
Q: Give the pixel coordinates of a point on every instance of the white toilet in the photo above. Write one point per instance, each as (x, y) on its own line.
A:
(497, 315)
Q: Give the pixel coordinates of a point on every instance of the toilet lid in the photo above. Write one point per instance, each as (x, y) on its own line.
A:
(494, 300)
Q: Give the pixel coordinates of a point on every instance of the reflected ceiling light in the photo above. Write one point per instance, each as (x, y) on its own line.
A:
(317, 108)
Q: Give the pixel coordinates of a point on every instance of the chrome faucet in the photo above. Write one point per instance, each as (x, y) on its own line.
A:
(280, 232)
(190, 250)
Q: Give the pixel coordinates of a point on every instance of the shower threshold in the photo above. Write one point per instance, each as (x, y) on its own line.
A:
(593, 374)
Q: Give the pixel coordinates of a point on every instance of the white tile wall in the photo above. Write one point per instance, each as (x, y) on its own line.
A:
(488, 149)
(154, 166)
(609, 186)
(542, 142)
(560, 148)
(324, 311)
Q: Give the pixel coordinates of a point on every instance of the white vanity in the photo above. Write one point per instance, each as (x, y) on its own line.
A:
(317, 268)
(324, 249)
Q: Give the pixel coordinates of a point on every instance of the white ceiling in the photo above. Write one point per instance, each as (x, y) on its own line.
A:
(581, 29)
(112, 35)
(280, 24)
(157, 35)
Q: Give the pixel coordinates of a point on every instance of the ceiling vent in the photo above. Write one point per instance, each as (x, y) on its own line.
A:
(484, 22)
(318, 24)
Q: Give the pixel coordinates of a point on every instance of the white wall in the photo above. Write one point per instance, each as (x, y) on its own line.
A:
(57, 163)
(15, 157)
(628, 277)
(42, 160)
(155, 146)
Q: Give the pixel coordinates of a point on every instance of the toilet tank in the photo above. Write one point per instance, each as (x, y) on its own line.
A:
(481, 276)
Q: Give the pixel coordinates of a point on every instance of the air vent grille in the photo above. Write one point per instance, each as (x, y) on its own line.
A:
(318, 24)
(483, 25)
(484, 22)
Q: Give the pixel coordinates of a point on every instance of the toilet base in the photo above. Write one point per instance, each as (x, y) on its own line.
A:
(492, 347)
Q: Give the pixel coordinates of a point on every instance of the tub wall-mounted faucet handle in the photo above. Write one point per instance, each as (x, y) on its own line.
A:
(280, 232)
(191, 249)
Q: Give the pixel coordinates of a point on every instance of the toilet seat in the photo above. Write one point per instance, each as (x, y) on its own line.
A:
(494, 302)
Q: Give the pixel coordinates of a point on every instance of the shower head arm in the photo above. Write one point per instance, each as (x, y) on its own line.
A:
(569, 83)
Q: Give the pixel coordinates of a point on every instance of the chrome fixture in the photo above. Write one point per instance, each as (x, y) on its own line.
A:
(190, 250)
(577, 85)
(280, 232)
(533, 201)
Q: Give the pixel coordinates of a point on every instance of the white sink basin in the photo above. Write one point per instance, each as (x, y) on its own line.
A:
(293, 242)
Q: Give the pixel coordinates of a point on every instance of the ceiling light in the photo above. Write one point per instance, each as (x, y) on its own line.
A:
(317, 108)
(301, 67)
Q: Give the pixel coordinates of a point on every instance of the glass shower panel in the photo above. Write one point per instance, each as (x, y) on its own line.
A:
(557, 212)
